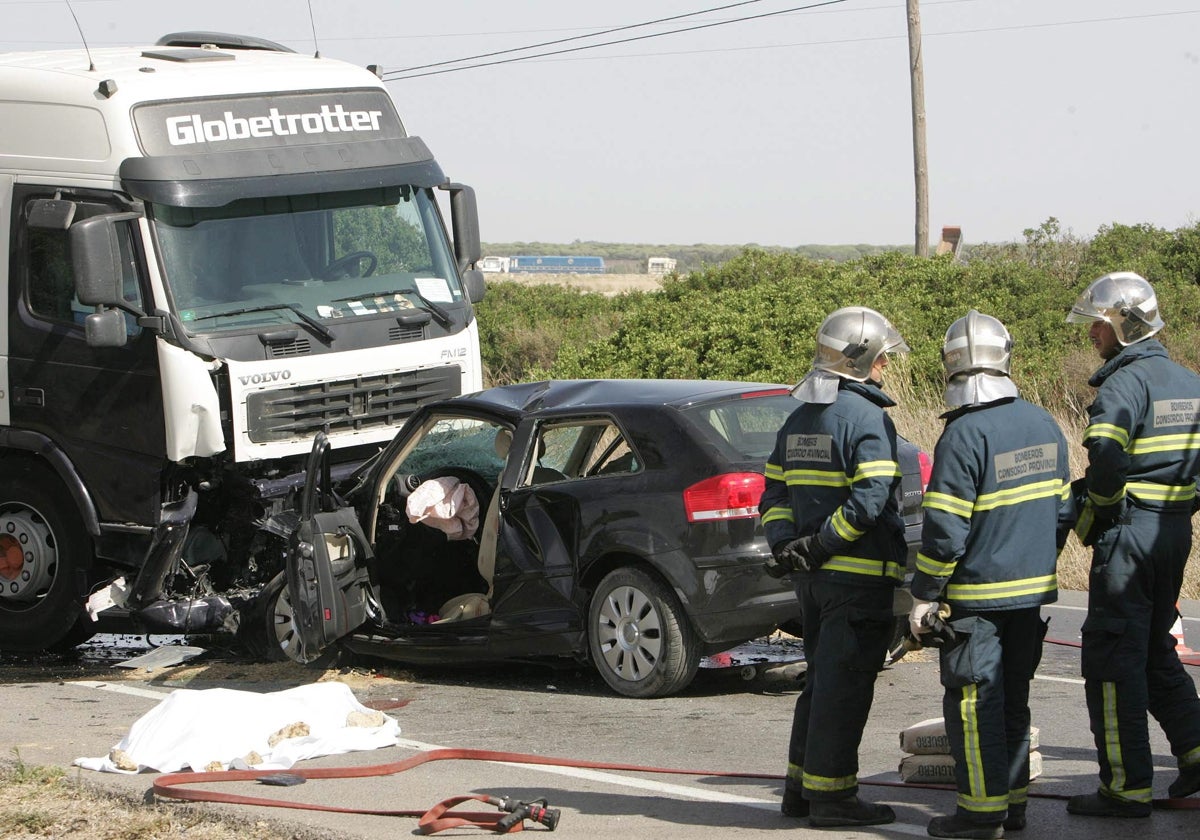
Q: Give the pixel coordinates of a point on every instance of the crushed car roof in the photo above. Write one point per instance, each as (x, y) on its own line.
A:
(549, 395)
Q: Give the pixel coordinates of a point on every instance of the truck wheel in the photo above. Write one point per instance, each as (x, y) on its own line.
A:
(639, 637)
(269, 631)
(44, 552)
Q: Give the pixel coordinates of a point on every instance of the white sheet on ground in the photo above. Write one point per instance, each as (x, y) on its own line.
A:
(195, 728)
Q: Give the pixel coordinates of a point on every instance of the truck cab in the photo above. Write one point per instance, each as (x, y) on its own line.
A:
(217, 248)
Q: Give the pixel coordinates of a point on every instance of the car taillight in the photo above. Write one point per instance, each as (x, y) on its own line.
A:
(926, 468)
(729, 496)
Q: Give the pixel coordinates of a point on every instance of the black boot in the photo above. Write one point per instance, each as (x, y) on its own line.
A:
(1015, 821)
(794, 804)
(1187, 783)
(1099, 805)
(850, 811)
(956, 826)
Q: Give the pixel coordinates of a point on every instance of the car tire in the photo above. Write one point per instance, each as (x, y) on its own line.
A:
(44, 552)
(268, 629)
(639, 637)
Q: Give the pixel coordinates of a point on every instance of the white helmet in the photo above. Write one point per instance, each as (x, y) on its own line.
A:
(977, 343)
(1123, 299)
(850, 339)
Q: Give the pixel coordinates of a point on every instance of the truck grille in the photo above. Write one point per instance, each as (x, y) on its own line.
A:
(364, 402)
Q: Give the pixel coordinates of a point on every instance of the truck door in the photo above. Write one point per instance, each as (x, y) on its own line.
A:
(101, 406)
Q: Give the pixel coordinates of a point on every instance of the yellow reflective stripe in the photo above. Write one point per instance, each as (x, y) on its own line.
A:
(778, 514)
(843, 528)
(1017, 495)
(816, 478)
(875, 469)
(1164, 443)
(1002, 589)
(934, 568)
(862, 566)
(795, 772)
(1106, 500)
(773, 471)
(972, 749)
(1189, 758)
(1027, 586)
(948, 503)
(1111, 734)
(1084, 523)
(983, 804)
(1139, 795)
(1107, 430)
(1018, 796)
(1151, 492)
(829, 784)
(1066, 492)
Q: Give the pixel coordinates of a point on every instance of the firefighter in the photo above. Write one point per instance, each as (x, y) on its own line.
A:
(830, 514)
(1136, 501)
(997, 502)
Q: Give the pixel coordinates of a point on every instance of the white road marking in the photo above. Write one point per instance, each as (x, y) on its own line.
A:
(661, 788)
(1071, 680)
(121, 689)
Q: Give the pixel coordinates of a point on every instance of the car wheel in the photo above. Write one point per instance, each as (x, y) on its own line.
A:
(269, 631)
(44, 551)
(639, 637)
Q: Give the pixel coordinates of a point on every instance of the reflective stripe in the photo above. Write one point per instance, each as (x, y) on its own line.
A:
(1107, 430)
(1111, 735)
(829, 784)
(862, 566)
(1018, 796)
(778, 514)
(1164, 443)
(773, 471)
(843, 528)
(948, 503)
(1151, 492)
(1002, 589)
(1017, 495)
(795, 772)
(877, 469)
(815, 478)
(972, 750)
(1189, 758)
(934, 568)
(1104, 501)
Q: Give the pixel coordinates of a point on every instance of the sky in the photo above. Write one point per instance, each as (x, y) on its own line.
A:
(791, 127)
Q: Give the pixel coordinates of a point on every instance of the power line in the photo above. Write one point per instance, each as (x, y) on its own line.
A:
(575, 37)
(396, 75)
(834, 42)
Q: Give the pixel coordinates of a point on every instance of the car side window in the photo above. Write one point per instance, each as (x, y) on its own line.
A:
(580, 449)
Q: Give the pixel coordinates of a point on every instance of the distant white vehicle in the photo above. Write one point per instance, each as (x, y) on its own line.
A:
(660, 265)
(493, 265)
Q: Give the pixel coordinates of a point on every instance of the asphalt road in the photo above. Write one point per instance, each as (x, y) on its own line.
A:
(721, 724)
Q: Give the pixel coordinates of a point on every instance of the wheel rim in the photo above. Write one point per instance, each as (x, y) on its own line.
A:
(28, 557)
(283, 619)
(629, 632)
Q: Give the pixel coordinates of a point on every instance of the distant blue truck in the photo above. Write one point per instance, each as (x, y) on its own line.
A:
(557, 265)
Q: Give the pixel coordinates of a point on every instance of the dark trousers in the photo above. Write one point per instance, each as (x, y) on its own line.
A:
(1129, 662)
(846, 632)
(986, 674)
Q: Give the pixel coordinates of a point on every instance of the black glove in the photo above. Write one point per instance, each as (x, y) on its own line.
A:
(1091, 525)
(804, 554)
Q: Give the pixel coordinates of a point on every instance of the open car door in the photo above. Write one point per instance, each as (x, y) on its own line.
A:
(328, 561)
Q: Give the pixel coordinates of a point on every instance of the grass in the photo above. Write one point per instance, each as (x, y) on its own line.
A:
(47, 802)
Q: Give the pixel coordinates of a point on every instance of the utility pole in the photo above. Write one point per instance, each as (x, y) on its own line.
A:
(920, 171)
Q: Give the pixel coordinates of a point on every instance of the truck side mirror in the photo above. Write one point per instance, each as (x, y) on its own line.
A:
(464, 213)
(105, 328)
(96, 260)
(474, 284)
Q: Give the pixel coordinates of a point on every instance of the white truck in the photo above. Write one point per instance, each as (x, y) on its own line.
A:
(216, 248)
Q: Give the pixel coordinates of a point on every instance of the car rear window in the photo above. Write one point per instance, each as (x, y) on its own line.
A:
(745, 426)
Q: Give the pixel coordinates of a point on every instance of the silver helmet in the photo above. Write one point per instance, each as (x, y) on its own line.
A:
(850, 339)
(1123, 299)
(977, 343)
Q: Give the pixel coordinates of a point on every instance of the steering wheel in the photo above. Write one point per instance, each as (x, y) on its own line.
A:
(341, 267)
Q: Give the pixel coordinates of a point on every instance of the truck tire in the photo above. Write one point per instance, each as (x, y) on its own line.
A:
(44, 556)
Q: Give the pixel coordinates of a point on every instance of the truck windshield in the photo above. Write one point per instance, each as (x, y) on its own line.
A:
(327, 256)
